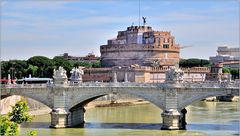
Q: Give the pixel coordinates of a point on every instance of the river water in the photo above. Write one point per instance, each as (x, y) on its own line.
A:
(203, 118)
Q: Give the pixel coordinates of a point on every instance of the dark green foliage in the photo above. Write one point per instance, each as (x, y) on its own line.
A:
(96, 64)
(83, 64)
(60, 61)
(44, 64)
(226, 70)
(40, 66)
(32, 70)
(7, 127)
(15, 68)
(193, 62)
(19, 113)
(88, 64)
(235, 73)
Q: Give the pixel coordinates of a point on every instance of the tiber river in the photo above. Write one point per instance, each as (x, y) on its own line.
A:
(203, 118)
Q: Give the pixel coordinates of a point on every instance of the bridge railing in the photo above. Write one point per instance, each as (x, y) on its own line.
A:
(24, 85)
(205, 84)
(211, 84)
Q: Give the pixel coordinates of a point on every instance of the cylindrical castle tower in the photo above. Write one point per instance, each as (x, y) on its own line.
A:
(140, 45)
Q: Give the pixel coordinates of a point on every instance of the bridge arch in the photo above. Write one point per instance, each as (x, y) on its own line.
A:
(43, 96)
(154, 97)
(199, 97)
(40, 101)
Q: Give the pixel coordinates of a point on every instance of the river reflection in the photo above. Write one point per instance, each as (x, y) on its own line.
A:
(203, 118)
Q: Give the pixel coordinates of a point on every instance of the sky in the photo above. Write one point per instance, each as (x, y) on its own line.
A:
(50, 28)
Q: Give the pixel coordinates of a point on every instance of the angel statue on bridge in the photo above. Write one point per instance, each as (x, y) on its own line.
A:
(76, 75)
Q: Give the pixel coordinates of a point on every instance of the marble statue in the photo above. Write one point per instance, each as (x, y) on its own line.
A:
(174, 75)
(76, 75)
(156, 63)
(60, 76)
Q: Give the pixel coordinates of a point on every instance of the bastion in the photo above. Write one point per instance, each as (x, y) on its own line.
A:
(140, 45)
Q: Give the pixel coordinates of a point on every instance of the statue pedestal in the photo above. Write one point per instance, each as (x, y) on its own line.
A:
(60, 81)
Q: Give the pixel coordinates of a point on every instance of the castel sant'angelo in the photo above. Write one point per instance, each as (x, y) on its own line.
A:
(140, 54)
(140, 45)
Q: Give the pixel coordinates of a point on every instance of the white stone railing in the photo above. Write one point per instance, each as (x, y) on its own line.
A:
(210, 84)
(24, 85)
(131, 84)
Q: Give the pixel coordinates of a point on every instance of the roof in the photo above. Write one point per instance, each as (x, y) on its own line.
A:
(35, 79)
(230, 62)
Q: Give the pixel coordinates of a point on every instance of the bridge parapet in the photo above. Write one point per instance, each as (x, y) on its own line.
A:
(24, 85)
(207, 84)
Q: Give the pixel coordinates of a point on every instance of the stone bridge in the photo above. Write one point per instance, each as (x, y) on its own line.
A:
(67, 102)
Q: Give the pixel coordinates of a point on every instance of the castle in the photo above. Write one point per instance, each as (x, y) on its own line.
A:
(140, 54)
(140, 45)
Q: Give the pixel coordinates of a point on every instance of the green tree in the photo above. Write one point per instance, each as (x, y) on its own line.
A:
(44, 64)
(83, 64)
(60, 61)
(226, 70)
(97, 64)
(194, 62)
(32, 70)
(19, 113)
(4, 69)
(235, 73)
(7, 127)
(16, 68)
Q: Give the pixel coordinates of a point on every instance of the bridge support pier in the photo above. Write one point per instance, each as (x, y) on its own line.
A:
(76, 117)
(172, 120)
(59, 118)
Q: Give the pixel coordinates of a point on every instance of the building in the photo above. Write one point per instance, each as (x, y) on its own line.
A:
(141, 74)
(225, 50)
(140, 54)
(140, 45)
(231, 64)
(226, 54)
(89, 58)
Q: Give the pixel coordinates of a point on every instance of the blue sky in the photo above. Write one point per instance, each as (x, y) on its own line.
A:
(50, 28)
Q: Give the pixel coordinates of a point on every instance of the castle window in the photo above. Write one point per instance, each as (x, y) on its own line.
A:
(165, 45)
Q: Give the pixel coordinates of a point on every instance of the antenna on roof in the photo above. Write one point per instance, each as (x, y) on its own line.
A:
(139, 12)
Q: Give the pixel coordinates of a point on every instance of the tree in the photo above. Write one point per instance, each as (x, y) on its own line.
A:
(32, 70)
(9, 124)
(4, 69)
(7, 127)
(83, 64)
(193, 62)
(43, 64)
(226, 70)
(19, 113)
(235, 73)
(97, 64)
(16, 68)
(60, 61)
